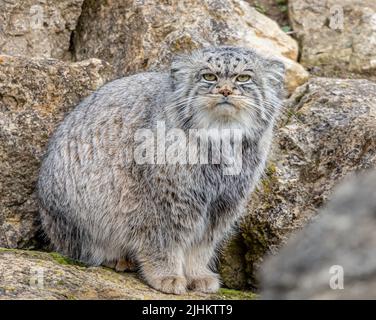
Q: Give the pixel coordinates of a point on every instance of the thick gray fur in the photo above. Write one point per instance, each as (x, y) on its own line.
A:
(97, 206)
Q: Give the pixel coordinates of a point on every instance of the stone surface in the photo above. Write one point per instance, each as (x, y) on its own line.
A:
(328, 131)
(274, 9)
(335, 251)
(35, 94)
(38, 275)
(336, 34)
(39, 28)
(139, 35)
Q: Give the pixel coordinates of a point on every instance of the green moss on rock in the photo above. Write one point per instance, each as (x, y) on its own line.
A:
(65, 260)
(232, 294)
(232, 266)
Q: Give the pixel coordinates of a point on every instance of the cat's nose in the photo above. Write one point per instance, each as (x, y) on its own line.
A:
(225, 91)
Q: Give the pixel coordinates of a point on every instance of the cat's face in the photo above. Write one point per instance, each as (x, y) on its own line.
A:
(228, 86)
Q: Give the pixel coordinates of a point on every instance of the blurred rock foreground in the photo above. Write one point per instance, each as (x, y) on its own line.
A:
(343, 266)
(55, 53)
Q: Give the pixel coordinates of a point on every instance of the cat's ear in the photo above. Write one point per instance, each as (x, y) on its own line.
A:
(275, 71)
(174, 70)
(179, 68)
(178, 63)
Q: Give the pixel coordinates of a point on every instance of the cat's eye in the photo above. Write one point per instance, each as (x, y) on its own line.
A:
(243, 78)
(209, 77)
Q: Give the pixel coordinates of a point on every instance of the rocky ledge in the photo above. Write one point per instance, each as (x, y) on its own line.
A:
(43, 275)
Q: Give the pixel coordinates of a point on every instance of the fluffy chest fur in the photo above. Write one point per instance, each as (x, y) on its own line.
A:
(203, 187)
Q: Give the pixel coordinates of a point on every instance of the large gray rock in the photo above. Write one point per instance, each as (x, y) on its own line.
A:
(38, 28)
(139, 35)
(328, 131)
(335, 256)
(339, 35)
(35, 94)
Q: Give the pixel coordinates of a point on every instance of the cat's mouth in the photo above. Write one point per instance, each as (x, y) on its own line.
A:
(225, 104)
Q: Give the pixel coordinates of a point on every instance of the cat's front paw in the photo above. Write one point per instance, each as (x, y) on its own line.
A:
(121, 265)
(205, 284)
(170, 284)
